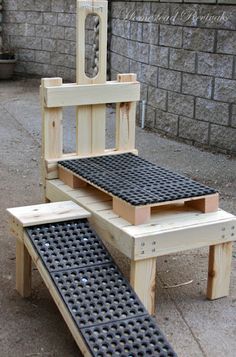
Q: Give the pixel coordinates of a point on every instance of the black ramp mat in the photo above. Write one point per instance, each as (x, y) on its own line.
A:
(106, 310)
(135, 180)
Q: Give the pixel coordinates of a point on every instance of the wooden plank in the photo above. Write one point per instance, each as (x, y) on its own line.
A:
(52, 142)
(23, 270)
(57, 298)
(143, 281)
(133, 214)
(91, 119)
(47, 213)
(70, 180)
(51, 171)
(91, 94)
(125, 118)
(219, 270)
(206, 204)
(201, 231)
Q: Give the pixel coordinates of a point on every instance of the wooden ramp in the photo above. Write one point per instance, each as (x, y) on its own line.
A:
(103, 313)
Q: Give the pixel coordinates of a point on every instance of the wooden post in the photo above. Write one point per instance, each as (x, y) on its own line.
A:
(143, 281)
(220, 257)
(23, 269)
(91, 119)
(125, 118)
(52, 129)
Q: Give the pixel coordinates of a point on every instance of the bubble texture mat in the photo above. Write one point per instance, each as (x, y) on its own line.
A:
(134, 179)
(106, 310)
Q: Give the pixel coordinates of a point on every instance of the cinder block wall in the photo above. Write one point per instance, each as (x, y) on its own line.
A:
(184, 59)
(43, 34)
(184, 54)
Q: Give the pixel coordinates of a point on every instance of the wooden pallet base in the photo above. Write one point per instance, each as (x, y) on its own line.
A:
(141, 214)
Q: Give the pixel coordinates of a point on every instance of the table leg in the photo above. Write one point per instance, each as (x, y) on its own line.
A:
(23, 269)
(143, 281)
(219, 269)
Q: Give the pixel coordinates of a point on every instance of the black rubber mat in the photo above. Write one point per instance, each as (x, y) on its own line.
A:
(134, 179)
(108, 313)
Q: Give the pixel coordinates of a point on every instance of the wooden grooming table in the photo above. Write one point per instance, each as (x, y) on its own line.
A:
(173, 229)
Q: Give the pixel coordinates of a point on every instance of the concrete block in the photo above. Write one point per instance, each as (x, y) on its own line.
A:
(58, 32)
(136, 67)
(221, 17)
(212, 111)
(68, 47)
(233, 119)
(157, 97)
(184, 14)
(121, 28)
(10, 5)
(50, 18)
(16, 17)
(119, 63)
(136, 31)
(198, 39)
(193, 130)
(26, 55)
(70, 34)
(225, 90)
(26, 30)
(120, 45)
(66, 20)
(170, 80)
(180, 104)
(57, 5)
(182, 60)
(138, 50)
(226, 42)
(33, 17)
(150, 117)
(166, 122)
(150, 33)
(170, 36)
(159, 56)
(70, 6)
(43, 31)
(49, 44)
(160, 12)
(30, 43)
(42, 57)
(149, 74)
(215, 64)
(196, 85)
(223, 137)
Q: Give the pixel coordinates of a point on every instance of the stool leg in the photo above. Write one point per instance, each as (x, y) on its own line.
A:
(219, 269)
(23, 270)
(143, 281)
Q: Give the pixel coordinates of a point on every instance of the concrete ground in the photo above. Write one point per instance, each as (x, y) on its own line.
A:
(33, 327)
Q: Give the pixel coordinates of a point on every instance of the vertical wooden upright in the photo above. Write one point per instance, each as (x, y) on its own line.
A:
(143, 281)
(91, 119)
(219, 269)
(23, 269)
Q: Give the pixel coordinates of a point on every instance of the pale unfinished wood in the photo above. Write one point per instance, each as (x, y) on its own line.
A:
(47, 213)
(169, 231)
(91, 119)
(219, 270)
(52, 144)
(57, 298)
(208, 204)
(143, 281)
(51, 167)
(92, 94)
(125, 118)
(134, 214)
(71, 180)
(23, 270)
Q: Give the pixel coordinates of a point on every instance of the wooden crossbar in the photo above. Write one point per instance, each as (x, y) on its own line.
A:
(90, 94)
